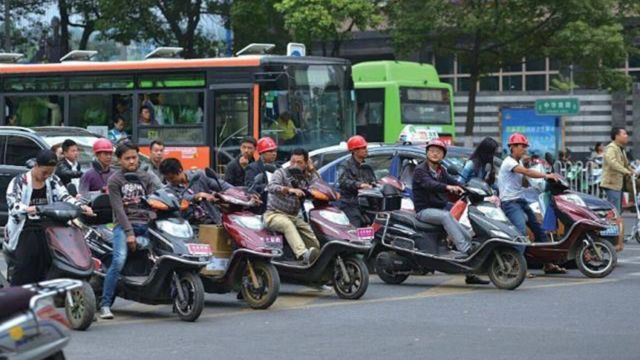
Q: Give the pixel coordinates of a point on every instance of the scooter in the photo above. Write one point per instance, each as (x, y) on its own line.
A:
(165, 267)
(71, 258)
(594, 257)
(342, 247)
(249, 267)
(404, 246)
(30, 326)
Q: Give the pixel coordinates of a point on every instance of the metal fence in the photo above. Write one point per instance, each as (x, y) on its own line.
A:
(584, 177)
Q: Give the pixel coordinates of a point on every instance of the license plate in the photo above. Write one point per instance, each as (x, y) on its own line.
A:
(612, 230)
(365, 233)
(273, 241)
(199, 249)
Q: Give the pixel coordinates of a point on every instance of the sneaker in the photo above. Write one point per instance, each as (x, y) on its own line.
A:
(310, 255)
(105, 313)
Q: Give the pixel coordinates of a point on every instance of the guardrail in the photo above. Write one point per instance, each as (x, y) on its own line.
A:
(584, 177)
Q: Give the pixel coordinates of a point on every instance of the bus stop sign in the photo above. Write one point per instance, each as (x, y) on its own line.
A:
(558, 106)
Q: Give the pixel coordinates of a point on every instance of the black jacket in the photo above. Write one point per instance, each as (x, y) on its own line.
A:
(430, 189)
(353, 174)
(66, 173)
(234, 174)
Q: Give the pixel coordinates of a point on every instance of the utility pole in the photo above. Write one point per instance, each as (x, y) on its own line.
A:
(7, 26)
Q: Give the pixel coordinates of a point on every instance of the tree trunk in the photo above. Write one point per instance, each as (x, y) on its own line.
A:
(471, 109)
(86, 34)
(64, 27)
(7, 26)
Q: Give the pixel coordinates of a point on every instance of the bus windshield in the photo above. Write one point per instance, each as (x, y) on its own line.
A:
(425, 106)
(314, 108)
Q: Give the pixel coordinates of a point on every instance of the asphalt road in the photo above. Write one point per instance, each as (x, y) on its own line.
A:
(432, 317)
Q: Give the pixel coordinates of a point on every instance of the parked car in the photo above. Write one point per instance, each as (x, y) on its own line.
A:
(400, 161)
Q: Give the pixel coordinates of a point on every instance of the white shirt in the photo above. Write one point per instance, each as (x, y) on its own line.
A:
(509, 182)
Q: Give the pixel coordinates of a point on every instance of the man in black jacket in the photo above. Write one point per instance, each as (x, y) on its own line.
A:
(235, 171)
(68, 169)
(268, 150)
(355, 175)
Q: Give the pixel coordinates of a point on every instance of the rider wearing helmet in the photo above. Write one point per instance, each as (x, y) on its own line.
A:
(95, 179)
(268, 150)
(515, 206)
(355, 175)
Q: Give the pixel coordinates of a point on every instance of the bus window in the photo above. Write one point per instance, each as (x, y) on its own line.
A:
(99, 109)
(370, 114)
(42, 110)
(175, 118)
(425, 106)
(232, 125)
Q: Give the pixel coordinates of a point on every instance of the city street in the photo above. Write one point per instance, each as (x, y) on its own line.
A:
(548, 317)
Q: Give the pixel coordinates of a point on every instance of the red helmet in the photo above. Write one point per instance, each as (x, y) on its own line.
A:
(439, 143)
(518, 139)
(102, 145)
(356, 142)
(266, 144)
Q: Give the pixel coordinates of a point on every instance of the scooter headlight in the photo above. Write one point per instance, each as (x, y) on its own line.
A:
(335, 217)
(574, 199)
(494, 213)
(249, 222)
(182, 230)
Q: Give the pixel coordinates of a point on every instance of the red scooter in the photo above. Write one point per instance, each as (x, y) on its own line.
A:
(249, 268)
(595, 258)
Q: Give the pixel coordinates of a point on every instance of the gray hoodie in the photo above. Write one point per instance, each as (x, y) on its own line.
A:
(126, 197)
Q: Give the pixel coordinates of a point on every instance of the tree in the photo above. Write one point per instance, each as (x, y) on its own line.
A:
(257, 22)
(485, 34)
(15, 12)
(164, 22)
(327, 21)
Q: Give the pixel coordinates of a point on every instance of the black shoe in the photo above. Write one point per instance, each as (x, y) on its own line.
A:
(475, 280)
(240, 296)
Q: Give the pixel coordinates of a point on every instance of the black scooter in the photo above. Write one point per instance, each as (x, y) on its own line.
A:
(163, 271)
(70, 258)
(404, 246)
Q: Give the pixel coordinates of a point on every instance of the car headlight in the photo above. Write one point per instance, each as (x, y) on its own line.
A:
(335, 217)
(500, 234)
(183, 230)
(249, 222)
(492, 212)
(574, 199)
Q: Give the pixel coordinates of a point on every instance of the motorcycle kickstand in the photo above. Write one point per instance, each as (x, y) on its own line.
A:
(343, 269)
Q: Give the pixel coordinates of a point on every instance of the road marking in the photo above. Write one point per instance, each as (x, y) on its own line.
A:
(432, 293)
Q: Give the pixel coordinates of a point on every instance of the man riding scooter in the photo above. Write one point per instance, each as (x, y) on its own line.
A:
(431, 186)
(268, 150)
(95, 179)
(356, 176)
(515, 206)
(131, 219)
(25, 235)
(283, 207)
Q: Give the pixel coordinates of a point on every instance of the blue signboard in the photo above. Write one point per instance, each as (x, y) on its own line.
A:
(542, 131)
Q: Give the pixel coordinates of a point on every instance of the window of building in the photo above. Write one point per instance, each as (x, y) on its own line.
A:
(536, 82)
(536, 65)
(513, 67)
(463, 84)
(29, 111)
(512, 83)
(634, 61)
(489, 83)
(444, 64)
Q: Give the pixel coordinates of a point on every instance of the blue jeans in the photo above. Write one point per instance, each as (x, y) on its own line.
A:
(521, 215)
(118, 260)
(615, 198)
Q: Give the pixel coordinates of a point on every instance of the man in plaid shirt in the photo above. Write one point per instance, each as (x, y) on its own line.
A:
(283, 208)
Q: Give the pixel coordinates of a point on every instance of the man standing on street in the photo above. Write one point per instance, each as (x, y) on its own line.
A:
(614, 168)
(235, 171)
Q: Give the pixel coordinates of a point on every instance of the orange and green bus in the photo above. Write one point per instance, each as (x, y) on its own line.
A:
(201, 108)
(393, 94)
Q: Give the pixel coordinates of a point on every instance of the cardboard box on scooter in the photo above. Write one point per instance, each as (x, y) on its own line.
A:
(216, 236)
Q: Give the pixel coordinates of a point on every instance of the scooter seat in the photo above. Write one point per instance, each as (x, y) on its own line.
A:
(13, 301)
(409, 219)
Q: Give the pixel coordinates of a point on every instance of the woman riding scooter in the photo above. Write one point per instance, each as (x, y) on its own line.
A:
(25, 236)
(431, 186)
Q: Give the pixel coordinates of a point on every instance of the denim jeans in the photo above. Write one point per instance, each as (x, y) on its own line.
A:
(615, 198)
(521, 215)
(460, 236)
(119, 257)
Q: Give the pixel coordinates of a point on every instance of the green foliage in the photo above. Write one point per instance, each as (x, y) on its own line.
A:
(257, 22)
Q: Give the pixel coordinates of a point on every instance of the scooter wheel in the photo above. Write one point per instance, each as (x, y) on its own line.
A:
(509, 273)
(388, 276)
(81, 314)
(590, 265)
(268, 288)
(358, 281)
(191, 308)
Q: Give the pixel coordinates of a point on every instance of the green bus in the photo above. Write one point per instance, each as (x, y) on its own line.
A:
(391, 95)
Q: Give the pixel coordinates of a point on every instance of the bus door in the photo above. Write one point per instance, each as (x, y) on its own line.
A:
(370, 114)
(232, 122)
